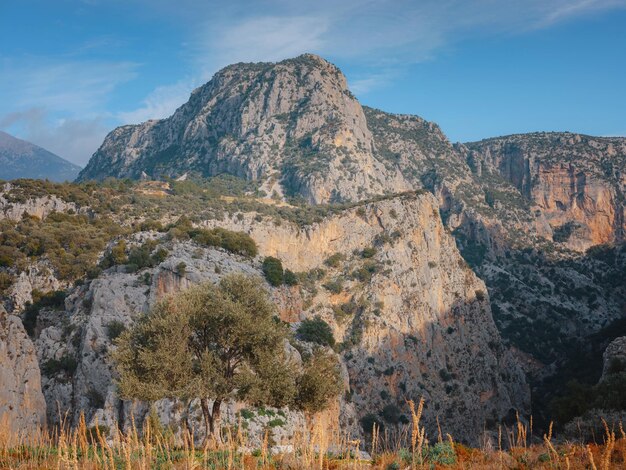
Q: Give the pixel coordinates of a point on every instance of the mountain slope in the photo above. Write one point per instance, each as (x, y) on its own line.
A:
(21, 159)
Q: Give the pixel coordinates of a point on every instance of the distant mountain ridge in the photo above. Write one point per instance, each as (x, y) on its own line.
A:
(21, 159)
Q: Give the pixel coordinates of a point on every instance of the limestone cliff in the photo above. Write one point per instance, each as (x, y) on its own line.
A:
(413, 319)
(577, 181)
(22, 405)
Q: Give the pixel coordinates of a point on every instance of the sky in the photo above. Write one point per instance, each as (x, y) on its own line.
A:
(72, 70)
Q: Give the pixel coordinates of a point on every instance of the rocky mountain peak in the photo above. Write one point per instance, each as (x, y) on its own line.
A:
(293, 125)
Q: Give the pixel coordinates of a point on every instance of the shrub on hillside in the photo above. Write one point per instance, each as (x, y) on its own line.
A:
(273, 271)
(316, 330)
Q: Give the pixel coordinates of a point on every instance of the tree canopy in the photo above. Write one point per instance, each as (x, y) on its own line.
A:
(220, 342)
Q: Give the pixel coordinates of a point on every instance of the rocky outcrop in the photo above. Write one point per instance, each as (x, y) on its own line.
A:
(22, 405)
(422, 321)
(576, 181)
(614, 358)
(36, 277)
(14, 208)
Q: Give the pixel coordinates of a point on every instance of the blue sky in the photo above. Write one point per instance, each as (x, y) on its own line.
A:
(71, 70)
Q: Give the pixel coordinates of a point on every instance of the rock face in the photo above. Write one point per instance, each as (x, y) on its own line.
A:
(21, 159)
(13, 208)
(577, 181)
(614, 358)
(22, 405)
(294, 126)
(414, 319)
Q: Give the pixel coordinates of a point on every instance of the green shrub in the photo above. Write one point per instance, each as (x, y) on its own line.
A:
(316, 330)
(368, 252)
(181, 268)
(6, 280)
(391, 414)
(236, 242)
(276, 422)
(114, 329)
(290, 278)
(335, 286)
(159, 255)
(335, 260)
(66, 364)
(246, 414)
(273, 271)
(441, 453)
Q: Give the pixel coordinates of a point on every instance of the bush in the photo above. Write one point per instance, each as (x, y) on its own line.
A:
(6, 280)
(335, 286)
(441, 453)
(317, 331)
(368, 252)
(391, 413)
(273, 271)
(335, 260)
(236, 242)
(66, 364)
(290, 278)
(114, 329)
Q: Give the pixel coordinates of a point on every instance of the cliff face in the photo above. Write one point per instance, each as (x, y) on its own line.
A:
(22, 405)
(576, 181)
(414, 319)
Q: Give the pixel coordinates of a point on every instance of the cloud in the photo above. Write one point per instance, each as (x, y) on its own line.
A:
(161, 102)
(61, 104)
(367, 83)
(267, 38)
(370, 33)
(74, 86)
(72, 139)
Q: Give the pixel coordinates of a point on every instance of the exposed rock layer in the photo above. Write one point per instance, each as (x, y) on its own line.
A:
(22, 405)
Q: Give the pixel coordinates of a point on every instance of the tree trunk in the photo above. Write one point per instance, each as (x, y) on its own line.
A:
(212, 421)
(216, 420)
(208, 424)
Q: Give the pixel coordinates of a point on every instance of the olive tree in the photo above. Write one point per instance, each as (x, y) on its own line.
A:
(212, 343)
(217, 343)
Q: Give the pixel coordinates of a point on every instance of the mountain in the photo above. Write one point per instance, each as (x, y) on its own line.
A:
(295, 129)
(443, 269)
(21, 159)
(293, 126)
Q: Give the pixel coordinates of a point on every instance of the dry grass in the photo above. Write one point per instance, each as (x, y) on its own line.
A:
(321, 446)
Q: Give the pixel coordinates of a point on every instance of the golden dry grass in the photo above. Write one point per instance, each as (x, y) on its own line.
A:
(321, 446)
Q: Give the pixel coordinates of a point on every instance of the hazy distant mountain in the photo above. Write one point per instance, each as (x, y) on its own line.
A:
(21, 159)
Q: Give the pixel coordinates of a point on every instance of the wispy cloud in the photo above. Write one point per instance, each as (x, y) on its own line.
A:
(60, 104)
(161, 102)
(375, 33)
(75, 86)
